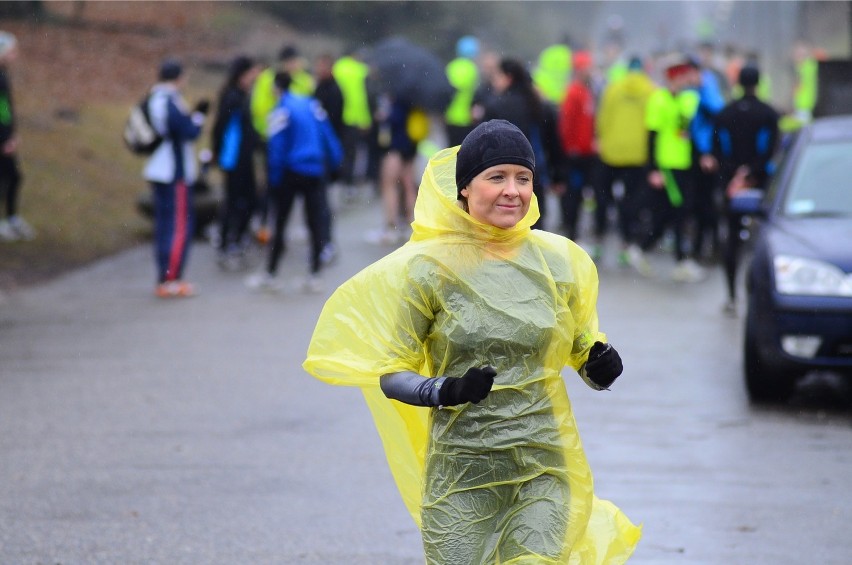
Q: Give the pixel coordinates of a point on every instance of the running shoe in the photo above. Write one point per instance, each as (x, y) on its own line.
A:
(638, 261)
(263, 282)
(688, 271)
(314, 284)
(7, 232)
(24, 230)
(175, 289)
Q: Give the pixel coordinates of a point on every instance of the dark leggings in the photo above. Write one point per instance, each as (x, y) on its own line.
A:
(665, 215)
(629, 204)
(10, 181)
(706, 214)
(580, 171)
(733, 243)
(312, 189)
(240, 203)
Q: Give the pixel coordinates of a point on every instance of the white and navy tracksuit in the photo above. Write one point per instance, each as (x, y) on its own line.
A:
(172, 170)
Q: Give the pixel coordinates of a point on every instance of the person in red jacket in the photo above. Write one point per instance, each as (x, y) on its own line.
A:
(577, 134)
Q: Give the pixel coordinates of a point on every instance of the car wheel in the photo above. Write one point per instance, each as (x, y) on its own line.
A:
(762, 382)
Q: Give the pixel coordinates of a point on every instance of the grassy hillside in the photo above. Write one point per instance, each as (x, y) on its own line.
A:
(75, 79)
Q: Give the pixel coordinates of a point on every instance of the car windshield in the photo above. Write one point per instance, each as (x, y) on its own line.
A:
(822, 183)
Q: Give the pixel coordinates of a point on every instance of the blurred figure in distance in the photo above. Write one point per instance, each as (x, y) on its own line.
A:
(13, 227)
(234, 142)
(172, 169)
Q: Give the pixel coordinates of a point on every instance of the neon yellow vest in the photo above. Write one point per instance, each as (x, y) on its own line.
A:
(350, 75)
(553, 72)
(464, 76)
(669, 115)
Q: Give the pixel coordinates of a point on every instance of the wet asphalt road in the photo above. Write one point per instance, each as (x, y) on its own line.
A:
(134, 430)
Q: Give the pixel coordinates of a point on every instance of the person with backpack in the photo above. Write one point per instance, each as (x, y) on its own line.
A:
(302, 150)
(234, 142)
(171, 170)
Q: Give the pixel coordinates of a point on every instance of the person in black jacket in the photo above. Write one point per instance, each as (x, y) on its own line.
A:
(329, 95)
(328, 92)
(12, 227)
(516, 101)
(745, 141)
(234, 141)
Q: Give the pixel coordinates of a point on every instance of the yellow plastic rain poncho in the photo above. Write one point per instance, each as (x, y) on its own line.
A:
(502, 481)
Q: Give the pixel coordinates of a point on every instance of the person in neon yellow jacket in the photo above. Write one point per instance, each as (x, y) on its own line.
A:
(264, 96)
(463, 74)
(805, 90)
(457, 340)
(622, 136)
(553, 72)
(351, 74)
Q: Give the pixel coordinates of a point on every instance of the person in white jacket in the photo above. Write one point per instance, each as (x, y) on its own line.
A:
(172, 170)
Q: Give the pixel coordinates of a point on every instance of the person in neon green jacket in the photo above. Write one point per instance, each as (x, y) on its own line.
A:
(264, 97)
(669, 113)
(351, 74)
(805, 90)
(457, 341)
(553, 72)
(463, 74)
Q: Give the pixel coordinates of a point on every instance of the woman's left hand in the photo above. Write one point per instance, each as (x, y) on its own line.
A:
(604, 365)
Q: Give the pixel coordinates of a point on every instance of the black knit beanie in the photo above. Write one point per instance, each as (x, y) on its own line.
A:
(494, 142)
(170, 69)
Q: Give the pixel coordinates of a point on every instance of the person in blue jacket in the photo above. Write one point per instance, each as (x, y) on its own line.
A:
(302, 150)
(711, 100)
(172, 169)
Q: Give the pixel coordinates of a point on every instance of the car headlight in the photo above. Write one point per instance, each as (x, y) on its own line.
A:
(797, 275)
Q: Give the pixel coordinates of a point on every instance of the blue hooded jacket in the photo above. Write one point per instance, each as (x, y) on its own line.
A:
(711, 101)
(301, 139)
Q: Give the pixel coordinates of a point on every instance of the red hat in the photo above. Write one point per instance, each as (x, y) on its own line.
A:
(678, 70)
(582, 60)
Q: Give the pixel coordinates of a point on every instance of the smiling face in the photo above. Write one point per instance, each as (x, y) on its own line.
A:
(500, 195)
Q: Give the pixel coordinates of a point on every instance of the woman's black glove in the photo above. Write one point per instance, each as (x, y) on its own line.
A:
(604, 365)
(472, 387)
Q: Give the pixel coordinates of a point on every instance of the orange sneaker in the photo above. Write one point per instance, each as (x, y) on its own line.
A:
(175, 289)
(263, 235)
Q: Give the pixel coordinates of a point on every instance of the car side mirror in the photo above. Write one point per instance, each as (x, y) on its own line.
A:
(747, 202)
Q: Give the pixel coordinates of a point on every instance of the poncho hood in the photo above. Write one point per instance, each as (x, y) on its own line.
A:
(437, 212)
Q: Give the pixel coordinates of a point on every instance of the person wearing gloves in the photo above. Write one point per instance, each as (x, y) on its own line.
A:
(171, 170)
(457, 340)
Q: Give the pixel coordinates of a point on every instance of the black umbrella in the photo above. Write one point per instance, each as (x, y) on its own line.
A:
(410, 72)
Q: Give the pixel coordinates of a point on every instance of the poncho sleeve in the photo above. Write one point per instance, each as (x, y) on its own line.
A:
(375, 323)
(576, 280)
(582, 302)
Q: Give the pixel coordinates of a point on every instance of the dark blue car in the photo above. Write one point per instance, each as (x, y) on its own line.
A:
(799, 282)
